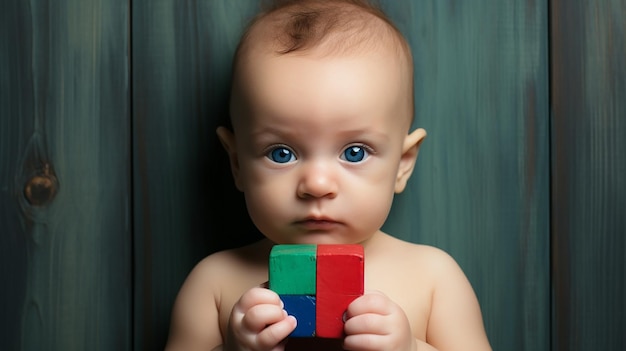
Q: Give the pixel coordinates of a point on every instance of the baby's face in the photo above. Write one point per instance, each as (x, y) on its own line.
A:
(318, 141)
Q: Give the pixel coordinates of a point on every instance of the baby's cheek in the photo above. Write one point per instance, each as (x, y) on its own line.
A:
(267, 211)
(372, 210)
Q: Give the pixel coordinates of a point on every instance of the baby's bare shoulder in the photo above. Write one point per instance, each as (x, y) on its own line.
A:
(453, 317)
(237, 263)
(412, 254)
(212, 284)
(409, 263)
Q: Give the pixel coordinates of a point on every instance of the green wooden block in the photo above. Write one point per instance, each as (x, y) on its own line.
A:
(292, 269)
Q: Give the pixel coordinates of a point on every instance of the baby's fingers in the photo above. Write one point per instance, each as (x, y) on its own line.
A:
(375, 322)
(277, 332)
(369, 323)
(258, 296)
(365, 342)
(372, 302)
(260, 316)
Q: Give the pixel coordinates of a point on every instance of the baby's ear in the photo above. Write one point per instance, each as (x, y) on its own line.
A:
(227, 138)
(410, 149)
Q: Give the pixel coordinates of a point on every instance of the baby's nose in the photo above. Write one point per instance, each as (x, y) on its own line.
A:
(317, 180)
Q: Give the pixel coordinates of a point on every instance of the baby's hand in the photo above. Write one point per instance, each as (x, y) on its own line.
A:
(374, 322)
(258, 322)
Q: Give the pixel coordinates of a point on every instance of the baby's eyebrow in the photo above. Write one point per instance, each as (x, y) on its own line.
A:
(365, 134)
(269, 135)
(269, 131)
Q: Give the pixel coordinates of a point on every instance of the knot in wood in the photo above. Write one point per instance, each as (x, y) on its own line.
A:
(40, 189)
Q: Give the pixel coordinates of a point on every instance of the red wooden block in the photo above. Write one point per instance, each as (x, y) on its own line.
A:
(339, 282)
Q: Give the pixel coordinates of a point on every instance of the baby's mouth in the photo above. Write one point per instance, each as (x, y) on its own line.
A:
(318, 224)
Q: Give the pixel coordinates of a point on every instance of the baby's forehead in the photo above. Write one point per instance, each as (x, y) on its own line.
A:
(313, 84)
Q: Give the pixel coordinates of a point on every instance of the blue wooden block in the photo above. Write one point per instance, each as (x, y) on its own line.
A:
(303, 308)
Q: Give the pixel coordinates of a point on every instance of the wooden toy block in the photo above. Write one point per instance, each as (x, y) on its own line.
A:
(340, 280)
(303, 308)
(316, 284)
(292, 269)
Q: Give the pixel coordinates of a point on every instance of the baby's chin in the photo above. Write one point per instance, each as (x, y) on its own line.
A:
(321, 238)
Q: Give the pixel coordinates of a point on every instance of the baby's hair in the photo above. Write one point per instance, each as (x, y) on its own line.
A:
(341, 26)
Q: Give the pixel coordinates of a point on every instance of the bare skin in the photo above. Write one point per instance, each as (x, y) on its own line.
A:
(417, 278)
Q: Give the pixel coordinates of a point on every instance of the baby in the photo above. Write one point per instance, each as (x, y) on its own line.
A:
(321, 109)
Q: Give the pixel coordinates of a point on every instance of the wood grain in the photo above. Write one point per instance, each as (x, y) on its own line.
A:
(64, 125)
(589, 168)
(186, 206)
(481, 186)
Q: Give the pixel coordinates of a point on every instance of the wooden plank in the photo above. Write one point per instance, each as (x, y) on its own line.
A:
(589, 167)
(184, 194)
(481, 185)
(64, 176)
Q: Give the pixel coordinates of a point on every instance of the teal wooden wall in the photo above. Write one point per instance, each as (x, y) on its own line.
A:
(65, 185)
(481, 187)
(589, 174)
(113, 185)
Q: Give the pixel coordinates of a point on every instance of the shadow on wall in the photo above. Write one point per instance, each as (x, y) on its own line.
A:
(229, 218)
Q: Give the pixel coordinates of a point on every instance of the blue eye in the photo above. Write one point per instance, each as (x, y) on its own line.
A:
(281, 154)
(354, 153)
